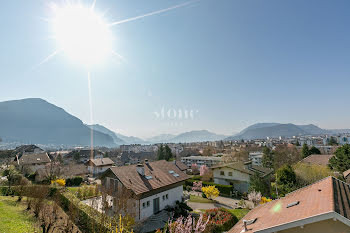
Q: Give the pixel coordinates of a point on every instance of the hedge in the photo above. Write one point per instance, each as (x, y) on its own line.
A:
(80, 214)
(75, 181)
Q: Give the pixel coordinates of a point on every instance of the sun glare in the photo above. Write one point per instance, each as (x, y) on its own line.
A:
(82, 34)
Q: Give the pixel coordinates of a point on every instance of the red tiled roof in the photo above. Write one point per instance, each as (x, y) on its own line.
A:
(317, 159)
(158, 170)
(329, 195)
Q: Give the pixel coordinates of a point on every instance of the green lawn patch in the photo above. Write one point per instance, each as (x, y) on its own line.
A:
(200, 199)
(14, 217)
(240, 213)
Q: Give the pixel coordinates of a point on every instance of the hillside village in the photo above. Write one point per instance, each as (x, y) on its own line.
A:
(143, 187)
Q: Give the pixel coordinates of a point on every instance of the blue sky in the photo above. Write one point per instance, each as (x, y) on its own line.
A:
(233, 62)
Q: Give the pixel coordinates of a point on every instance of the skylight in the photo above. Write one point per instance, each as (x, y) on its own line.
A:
(251, 221)
(149, 177)
(171, 172)
(176, 175)
(293, 204)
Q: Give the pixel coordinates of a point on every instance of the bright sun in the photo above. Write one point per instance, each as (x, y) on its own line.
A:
(82, 34)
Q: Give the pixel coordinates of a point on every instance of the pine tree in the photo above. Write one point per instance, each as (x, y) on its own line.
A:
(305, 152)
(161, 152)
(168, 153)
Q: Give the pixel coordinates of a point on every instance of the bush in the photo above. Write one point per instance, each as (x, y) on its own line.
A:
(220, 220)
(196, 177)
(225, 190)
(75, 181)
(180, 209)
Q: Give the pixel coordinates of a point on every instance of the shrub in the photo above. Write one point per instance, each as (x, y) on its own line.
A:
(60, 182)
(220, 220)
(211, 192)
(225, 190)
(75, 181)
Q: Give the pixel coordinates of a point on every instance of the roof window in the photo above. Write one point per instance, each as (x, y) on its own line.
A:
(293, 204)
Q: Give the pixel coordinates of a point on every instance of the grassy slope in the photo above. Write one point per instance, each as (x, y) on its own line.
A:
(199, 199)
(240, 213)
(13, 217)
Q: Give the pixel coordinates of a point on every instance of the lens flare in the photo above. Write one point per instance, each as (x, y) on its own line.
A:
(82, 34)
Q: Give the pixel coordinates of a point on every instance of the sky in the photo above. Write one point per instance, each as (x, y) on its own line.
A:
(228, 63)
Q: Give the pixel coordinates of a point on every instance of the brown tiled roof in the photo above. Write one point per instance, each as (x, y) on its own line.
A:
(180, 165)
(325, 197)
(317, 159)
(38, 158)
(102, 162)
(158, 170)
(346, 173)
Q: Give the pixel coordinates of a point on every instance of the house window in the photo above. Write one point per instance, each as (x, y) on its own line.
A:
(144, 205)
(166, 196)
(230, 173)
(163, 197)
(148, 203)
(222, 173)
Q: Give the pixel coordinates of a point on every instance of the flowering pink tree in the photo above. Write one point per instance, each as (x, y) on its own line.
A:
(203, 169)
(187, 225)
(197, 186)
(254, 197)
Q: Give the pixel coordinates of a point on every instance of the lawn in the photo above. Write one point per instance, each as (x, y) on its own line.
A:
(13, 216)
(240, 213)
(200, 199)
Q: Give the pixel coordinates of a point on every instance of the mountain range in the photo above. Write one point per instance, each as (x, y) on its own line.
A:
(275, 130)
(36, 121)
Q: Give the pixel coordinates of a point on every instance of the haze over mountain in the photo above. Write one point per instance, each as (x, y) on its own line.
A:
(274, 130)
(36, 121)
(119, 139)
(102, 129)
(197, 136)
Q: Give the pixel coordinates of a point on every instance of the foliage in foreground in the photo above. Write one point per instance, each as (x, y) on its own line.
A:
(220, 220)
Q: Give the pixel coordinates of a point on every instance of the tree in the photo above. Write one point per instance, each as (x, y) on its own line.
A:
(203, 170)
(341, 159)
(305, 151)
(297, 143)
(259, 184)
(285, 179)
(161, 152)
(208, 151)
(254, 197)
(267, 159)
(211, 192)
(76, 156)
(332, 141)
(12, 176)
(285, 154)
(313, 150)
(167, 153)
(186, 225)
(307, 174)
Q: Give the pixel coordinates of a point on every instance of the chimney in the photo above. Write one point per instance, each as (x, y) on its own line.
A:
(140, 169)
(245, 226)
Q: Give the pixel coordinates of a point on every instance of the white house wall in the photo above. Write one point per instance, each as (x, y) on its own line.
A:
(174, 194)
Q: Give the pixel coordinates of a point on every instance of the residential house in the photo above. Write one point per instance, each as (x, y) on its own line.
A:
(154, 185)
(67, 171)
(209, 161)
(99, 165)
(30, 163)
(320, 207)
(238, 174)
(346, 176)
(316, 159)
(256, 158)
